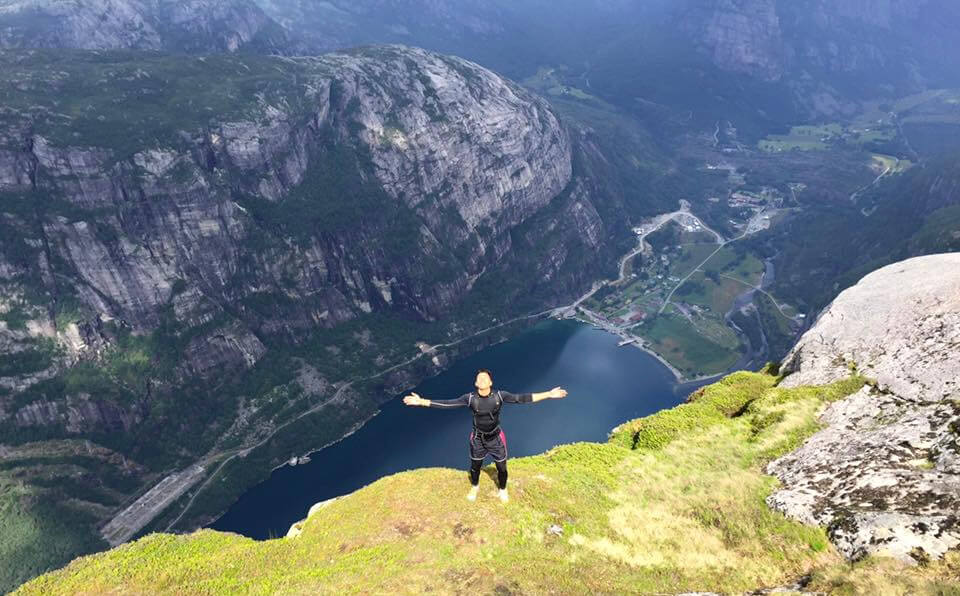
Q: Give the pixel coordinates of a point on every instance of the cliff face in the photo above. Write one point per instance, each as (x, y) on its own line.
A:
(739, 36)
(196, 250)
(194, 25)
(894, 41)
(384, 180)
(830, 54)
(884, 475)
(462, 155)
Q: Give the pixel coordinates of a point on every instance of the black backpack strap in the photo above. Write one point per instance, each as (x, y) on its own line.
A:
(499, 405)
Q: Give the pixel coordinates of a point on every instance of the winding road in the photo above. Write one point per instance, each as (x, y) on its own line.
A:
(655, 224)
(859, 191)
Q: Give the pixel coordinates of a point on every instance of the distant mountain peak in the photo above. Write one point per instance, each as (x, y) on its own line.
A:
(191, 26)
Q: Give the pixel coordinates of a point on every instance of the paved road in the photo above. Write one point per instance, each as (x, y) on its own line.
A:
(859, 191)
(655, 224)
(134, 518)
(622, 331)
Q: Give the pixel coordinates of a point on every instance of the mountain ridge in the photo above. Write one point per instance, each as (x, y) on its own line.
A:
(192, 26)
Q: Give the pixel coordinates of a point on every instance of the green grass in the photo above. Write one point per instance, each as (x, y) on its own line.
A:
(803, 138)
(873, 135)
(706, 345)
(672, 502)
(894, 164)
(674, 337)
(725, 258)
(696, 290)
(822, 130)
(551, 81)
(690, 257)
(749, 270)
(718, 297)
(820, 137)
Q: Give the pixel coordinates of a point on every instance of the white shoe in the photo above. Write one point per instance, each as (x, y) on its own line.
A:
(472, 495)
(503, 495)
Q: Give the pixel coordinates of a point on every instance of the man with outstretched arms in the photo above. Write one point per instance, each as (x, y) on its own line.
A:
(486, 437)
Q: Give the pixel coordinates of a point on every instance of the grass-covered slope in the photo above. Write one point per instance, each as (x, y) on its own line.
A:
(672, 502)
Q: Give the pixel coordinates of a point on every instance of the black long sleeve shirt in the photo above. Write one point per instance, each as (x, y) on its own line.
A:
(486, 409)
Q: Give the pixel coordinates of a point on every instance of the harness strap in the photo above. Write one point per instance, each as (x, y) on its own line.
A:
(491, 413)
(486, 435)
(499, 402)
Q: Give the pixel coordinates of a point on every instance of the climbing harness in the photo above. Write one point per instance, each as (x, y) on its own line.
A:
(493, 417)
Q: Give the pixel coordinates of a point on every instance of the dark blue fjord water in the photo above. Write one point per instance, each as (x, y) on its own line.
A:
(606, 385)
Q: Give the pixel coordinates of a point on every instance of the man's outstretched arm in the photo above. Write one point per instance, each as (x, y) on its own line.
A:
(415, 400)
(522, 398)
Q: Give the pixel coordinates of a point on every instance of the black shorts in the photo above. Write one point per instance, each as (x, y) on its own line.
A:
(493, 445)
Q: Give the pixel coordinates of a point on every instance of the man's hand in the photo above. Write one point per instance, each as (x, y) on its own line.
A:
(415, 400)
(556, 392)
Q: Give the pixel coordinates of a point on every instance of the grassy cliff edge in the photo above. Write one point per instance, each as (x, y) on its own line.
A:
(671, 502)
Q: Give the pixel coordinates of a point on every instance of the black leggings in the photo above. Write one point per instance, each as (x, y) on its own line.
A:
(476, 464)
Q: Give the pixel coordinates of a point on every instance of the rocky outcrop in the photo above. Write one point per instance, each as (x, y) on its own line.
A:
(194, 25)
(479, 146)
(899, 325)
(80, 413)
(810, 44)
(884, 475)
(297, 528)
